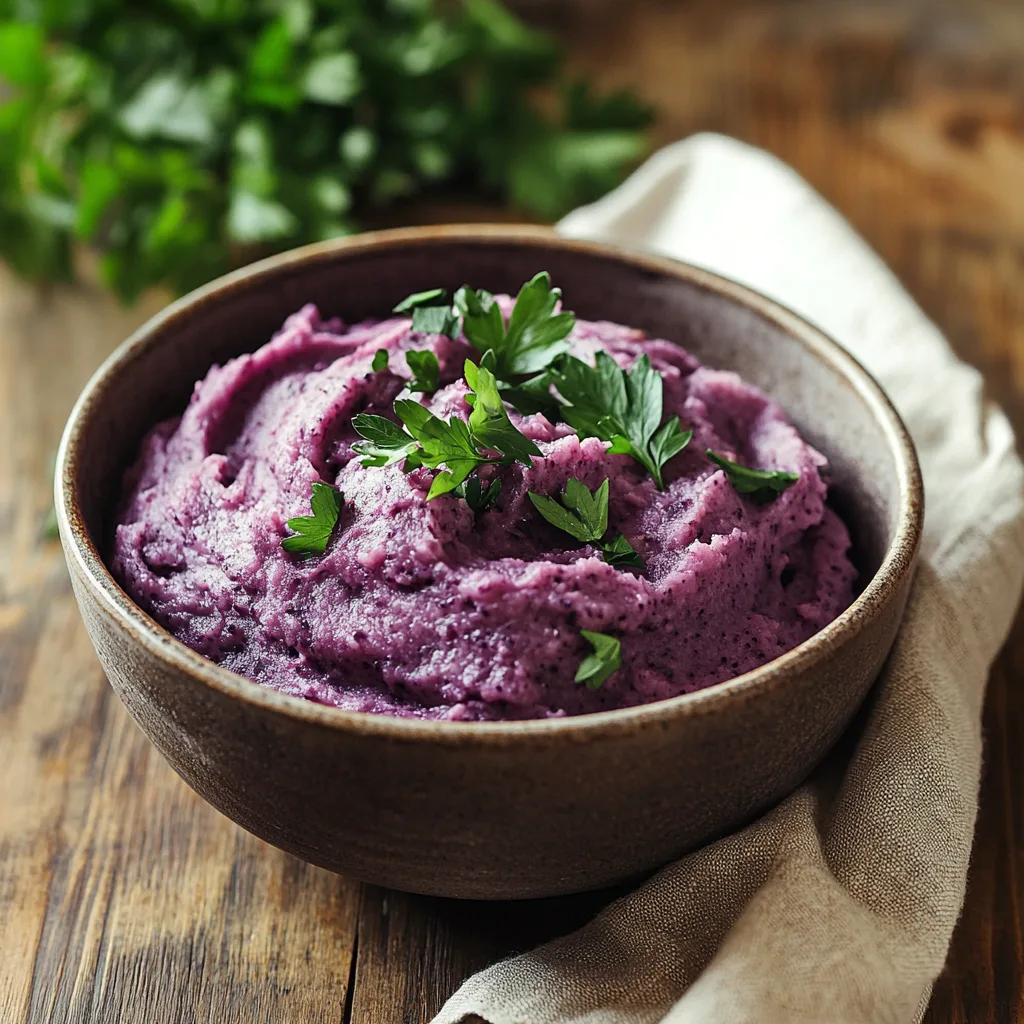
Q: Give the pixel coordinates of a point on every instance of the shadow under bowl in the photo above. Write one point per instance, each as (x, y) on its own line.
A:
(495, 810)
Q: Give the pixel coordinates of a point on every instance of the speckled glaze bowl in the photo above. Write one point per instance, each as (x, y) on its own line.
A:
(494, 810)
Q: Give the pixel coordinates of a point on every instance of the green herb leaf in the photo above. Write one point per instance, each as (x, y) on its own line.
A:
(442, 444)
(433, 297)
(669, 441)
(535, 336)
(455, 445)
(313, 532)
(361, 103)
(603, 663)
(425, 368)
(380, 360)
(621, 553)
(385, 442)
(478, 499)
(534, 395)
(489, 421)
(760, 485)
(622, 407)
(482, 322)
(594, 394)
(435, 320)
(581, 514)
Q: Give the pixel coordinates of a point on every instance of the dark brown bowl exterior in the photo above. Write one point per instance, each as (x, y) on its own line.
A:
(494, 810)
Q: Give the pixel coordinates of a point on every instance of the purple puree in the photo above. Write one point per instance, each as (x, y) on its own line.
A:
(423, 608)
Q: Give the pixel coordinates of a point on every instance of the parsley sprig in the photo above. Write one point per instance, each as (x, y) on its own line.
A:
(605, 660)
(536, 335)
(620, 406)
(431, 312)
(313, 532)
(426, 371)
(457, 445)
(584, 515)
(533, 338)
(760, 485)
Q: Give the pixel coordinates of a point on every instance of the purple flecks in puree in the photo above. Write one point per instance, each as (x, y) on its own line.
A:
(424, 609)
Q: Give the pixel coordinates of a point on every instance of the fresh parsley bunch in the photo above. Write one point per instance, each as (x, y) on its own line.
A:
(180, 136)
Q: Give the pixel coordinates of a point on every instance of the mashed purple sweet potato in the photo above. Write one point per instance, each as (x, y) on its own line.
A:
(429, 609)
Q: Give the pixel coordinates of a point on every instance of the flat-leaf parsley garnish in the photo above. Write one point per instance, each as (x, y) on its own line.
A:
(761, 485)
(385, 442)
(441, 444)
(489, 422)
(581, 514)
(458, 446)
(584, 515)
(535, 336)
(425, 368)
(431, 297)
(313, 532)
(625, 408)
(477, 497)
(431, 312)
(619, 552)
(380, 360)
(599, 666)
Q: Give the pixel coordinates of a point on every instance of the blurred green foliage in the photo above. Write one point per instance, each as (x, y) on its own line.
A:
(176, 136)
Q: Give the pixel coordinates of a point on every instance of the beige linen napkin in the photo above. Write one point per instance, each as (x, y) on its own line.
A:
(838, 905)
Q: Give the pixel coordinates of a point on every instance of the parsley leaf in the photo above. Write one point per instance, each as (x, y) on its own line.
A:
(435, 320)
(760, 485)
(457, 445)
(620, 552)
(489, 421)
(535, 335)
(449, 444)
(603, 663)
(431, 313)
(581, 514)
(386, 443)
(313, 532)
(623, 407)
(478, 499)
(584, 515)
(534, 395)
(433, 297)
(380, 360)
(425, 368)
(482, 322)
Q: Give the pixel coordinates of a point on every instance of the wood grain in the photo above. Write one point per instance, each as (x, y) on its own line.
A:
(123, 897)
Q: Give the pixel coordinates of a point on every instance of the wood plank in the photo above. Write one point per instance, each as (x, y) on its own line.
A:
(414, 951)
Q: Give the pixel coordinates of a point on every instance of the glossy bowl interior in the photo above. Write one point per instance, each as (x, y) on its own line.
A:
(494, 810)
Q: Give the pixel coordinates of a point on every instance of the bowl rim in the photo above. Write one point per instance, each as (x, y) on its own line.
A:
(118, 607)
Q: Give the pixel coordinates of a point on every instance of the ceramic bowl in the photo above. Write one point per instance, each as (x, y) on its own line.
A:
(494, 810)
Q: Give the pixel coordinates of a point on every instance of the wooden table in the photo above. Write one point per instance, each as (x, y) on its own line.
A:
(123, 897)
